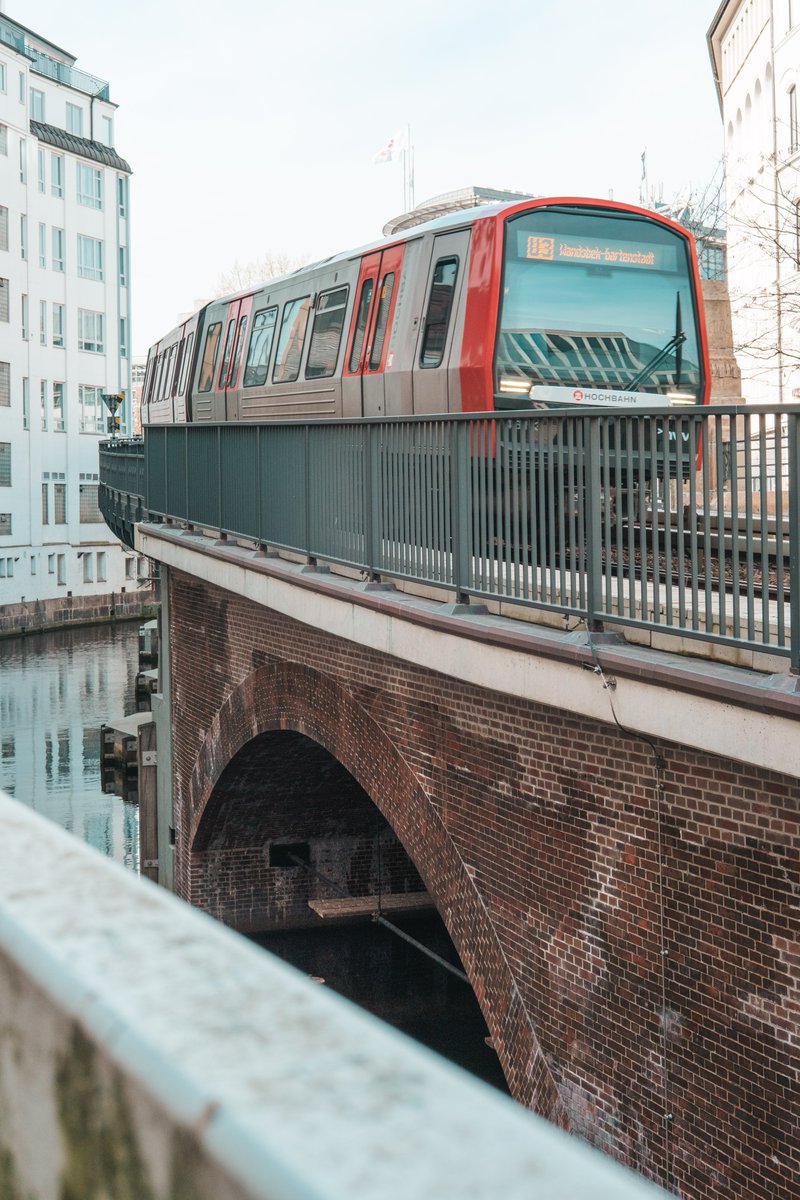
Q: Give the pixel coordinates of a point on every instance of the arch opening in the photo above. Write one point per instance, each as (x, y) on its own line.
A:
(292, 851)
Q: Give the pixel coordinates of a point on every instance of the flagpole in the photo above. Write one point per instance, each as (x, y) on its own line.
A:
(410, 169)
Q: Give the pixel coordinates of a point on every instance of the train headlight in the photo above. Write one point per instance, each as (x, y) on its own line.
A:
(514, 386)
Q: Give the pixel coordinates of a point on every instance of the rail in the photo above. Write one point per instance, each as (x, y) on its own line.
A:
(641, 520)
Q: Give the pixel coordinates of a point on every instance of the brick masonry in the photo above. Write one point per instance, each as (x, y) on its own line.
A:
(626, 912)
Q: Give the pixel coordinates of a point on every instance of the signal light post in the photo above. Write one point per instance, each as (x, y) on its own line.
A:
(113, 401)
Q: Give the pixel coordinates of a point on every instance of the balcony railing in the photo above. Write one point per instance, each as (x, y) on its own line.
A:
(645, 521)
(81, 81)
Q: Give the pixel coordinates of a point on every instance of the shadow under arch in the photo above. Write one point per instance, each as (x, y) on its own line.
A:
(290, 696)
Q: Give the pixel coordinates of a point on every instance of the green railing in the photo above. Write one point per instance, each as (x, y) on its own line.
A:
(663, 520)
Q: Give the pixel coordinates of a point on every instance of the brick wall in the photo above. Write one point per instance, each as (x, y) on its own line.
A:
(627, 913)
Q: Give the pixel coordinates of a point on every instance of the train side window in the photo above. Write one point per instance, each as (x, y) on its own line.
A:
(152, 370)
(326, 334)
(187, 357)
(237, 352)
(257, 365)
(290, 340)
(209, 357)
(162, 358)
(178, 367)
(226, 357)
(165, 388)
(361, 324)
(437, 318)
(384, 304)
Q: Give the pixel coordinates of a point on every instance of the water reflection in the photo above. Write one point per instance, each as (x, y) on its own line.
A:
(56, 690)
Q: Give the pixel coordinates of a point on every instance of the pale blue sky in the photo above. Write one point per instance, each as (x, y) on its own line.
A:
(251, 125)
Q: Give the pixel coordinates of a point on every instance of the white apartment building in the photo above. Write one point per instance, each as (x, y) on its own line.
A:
(64, 321)
(755, 54)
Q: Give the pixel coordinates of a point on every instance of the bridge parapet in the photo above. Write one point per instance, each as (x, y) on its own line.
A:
(601, 517)
(147, 1049)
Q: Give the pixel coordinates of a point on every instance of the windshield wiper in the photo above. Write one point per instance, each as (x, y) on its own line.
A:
(675, 343)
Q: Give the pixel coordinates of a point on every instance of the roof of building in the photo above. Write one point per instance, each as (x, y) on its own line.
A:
(83, 147)
(716, 66)
(70, 58)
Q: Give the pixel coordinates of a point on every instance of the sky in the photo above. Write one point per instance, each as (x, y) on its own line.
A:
(251, 125)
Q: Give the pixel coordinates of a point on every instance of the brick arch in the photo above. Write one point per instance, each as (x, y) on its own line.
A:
(291, 696)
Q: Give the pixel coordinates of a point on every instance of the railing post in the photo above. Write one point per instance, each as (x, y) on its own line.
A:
(594, 526)
(459, 508)
(372, 515)
(793, 428)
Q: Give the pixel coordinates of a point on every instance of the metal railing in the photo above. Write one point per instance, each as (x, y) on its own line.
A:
(637, 520)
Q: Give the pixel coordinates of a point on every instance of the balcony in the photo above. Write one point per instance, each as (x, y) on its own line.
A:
(81, 81)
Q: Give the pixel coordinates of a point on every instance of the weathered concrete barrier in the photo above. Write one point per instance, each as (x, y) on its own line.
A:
(147, 1052)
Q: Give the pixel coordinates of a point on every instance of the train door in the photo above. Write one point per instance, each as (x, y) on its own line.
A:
(231, 381)
(367, 352)
(435, 386)
(228, 338)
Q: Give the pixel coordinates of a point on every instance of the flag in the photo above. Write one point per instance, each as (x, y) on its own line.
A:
(393, 148)
(644, 164)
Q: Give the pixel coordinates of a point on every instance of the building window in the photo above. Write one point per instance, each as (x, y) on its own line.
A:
(74, 119)
(23, 161)
(22, 87)
(58, 248)
(33, 564)
(130, 568)
(107, 130)
(23, 236)
(37, 105)
(40, 169)
(42, 245)
(5, 384)
(101, 566)
(3, 227)
(5, 524)
(46, 507)
(123, 337)
(58, 324)
(793, 131)
(90, 331)
(43, 402)
(123, 266)
(4, 300)
(59, 503)
(24, 318)
(43, 322)
(90, 257)
(26, 403)
(90, 512)
(90, 402)
(5, 464)
(61, 576)
(3, 78)
(58, 407)
(90, 186)
(56, 175)
(3, 139)
(122, 195)
(87, 568)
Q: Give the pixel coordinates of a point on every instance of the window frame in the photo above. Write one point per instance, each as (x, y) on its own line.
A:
(445, 260)
(204, 363)
(255, 330)
(310, 372)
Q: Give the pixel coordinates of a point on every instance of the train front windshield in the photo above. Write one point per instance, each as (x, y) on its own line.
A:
(595, 308)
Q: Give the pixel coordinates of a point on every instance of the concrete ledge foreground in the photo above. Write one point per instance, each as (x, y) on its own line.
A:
(147, 1051)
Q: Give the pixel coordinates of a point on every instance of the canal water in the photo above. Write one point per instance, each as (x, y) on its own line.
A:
(58, 689)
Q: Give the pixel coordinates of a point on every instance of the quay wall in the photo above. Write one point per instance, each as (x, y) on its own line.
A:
(625, 907)
(38, 616)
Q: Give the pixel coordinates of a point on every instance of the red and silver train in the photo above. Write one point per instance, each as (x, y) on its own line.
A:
(541, 303)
